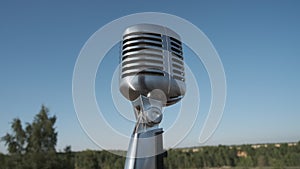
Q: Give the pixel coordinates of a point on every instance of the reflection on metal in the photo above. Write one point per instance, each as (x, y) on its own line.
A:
(151, 77)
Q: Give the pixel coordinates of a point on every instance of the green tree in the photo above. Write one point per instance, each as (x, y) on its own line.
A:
(41, 134)
(277, 164)
(16, 140)
(87, 160)
(34, 146)
(246, 162)
(67, 158)
(15, 143)
(41, 141)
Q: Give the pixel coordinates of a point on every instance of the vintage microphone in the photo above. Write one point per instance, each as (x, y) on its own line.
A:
(151, 77)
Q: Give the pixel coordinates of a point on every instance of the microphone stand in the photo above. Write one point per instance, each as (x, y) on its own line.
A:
(146, 145)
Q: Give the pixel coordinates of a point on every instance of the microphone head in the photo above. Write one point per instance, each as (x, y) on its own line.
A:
(152, 64)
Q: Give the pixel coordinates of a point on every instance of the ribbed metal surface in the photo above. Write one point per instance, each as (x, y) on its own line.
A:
(177, 59)
(142, 53)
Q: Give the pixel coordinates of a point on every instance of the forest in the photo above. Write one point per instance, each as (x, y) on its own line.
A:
(34, 147)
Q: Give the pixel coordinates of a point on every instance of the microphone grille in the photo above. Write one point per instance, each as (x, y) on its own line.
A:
(152, 53)
(176, 59)
(142, 51)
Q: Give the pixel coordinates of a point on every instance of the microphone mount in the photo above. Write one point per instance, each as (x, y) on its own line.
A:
(146, 149)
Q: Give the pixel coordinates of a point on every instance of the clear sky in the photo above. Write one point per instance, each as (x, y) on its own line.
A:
(258, 43)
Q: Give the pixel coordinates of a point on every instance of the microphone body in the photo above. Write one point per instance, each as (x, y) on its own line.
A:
(152, 60)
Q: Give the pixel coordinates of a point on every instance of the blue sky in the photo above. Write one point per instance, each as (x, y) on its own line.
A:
(258, 43)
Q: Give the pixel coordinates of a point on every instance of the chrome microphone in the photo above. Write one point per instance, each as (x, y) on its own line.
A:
(151, 77)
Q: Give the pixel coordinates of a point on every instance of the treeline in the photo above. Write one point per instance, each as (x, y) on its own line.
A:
(277, 156)
(63, 160)
(33, 147)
